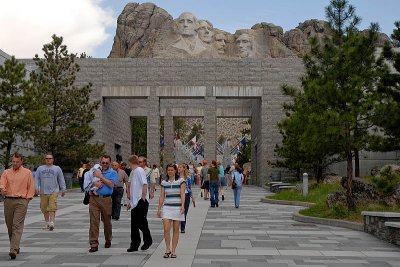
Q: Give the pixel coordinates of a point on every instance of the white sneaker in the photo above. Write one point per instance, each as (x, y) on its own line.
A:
(51, 226)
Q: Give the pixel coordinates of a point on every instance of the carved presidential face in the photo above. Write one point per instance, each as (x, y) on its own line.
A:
(220, 43)
(244, 42)
(205, 31)
(187, 24)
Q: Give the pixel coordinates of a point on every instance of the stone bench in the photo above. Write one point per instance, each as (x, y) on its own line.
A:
(394, 232)
(384, 225)
(275, 187)
(286, 187)
(271, 184)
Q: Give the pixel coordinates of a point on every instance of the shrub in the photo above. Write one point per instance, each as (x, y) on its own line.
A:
(387, 181)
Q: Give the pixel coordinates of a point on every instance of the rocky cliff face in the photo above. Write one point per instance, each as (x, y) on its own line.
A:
(145, 30)
(138, 27)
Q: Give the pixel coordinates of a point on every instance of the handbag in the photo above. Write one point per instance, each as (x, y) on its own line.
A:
(234, 185)
(86, 198)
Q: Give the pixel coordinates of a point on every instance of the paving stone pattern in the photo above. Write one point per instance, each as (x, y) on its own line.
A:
(256, 234)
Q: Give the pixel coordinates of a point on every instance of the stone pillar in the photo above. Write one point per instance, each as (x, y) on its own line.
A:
(168, 137)
(256, 144)
(153, 129)
(210, 125)
(271, 114)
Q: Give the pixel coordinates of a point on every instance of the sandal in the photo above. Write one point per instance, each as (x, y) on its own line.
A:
(166, 255)
(173, 256)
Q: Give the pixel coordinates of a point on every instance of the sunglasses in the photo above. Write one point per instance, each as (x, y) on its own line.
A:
(104, 163)
(49, 158)
(140, 161)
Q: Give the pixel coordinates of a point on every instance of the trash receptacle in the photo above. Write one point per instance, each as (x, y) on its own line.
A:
(248, 180)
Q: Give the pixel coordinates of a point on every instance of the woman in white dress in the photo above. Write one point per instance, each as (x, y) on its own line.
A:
(171, 208)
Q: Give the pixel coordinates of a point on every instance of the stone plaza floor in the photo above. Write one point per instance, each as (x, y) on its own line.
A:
(256, 234)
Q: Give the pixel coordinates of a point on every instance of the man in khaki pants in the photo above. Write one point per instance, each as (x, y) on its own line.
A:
(17, 186)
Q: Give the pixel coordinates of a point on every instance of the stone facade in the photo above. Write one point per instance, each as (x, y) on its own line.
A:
(3, 57)
(208, 88)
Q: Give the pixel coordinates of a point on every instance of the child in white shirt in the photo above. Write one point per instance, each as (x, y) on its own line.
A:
(89, 179)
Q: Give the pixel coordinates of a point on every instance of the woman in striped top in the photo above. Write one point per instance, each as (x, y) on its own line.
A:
(171, 208)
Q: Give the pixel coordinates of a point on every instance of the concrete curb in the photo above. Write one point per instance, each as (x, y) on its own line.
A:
(331, 222)
(287, 202)
(307, 219)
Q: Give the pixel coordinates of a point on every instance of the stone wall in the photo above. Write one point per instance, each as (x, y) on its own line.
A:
(374, 223)
(209, 83)
(3, 57)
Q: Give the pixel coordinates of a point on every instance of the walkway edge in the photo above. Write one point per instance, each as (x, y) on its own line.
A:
(307, 219)
(331, 222)
(287, 202)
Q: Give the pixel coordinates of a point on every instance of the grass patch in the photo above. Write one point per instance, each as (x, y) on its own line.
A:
(315, 195)
(340, 212)
(318, 196)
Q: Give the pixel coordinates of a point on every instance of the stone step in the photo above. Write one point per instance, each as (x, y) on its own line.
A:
(392, 224)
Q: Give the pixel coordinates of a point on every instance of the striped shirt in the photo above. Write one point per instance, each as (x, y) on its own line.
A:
(173, 192)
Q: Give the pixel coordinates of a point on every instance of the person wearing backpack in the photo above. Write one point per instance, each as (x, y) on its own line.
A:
(237, 178)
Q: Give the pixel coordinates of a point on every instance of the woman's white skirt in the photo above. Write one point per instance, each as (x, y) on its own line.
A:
(172, 213)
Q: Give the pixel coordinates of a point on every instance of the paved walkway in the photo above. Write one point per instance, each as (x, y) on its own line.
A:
(256, 234)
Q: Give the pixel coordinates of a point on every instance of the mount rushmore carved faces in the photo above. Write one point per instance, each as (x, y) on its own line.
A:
(245, 44)
(220, 43)
(206, 31)
(187, 24)
(188, 41)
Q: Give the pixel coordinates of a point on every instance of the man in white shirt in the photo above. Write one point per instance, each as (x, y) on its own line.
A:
(139, 203)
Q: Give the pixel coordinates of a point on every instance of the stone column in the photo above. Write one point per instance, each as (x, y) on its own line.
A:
(153, 129)
(210, 125)
(267, 137)
(168, 137)
(256, 144)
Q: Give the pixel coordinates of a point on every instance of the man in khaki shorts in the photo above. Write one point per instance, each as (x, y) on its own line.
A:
(49, 180)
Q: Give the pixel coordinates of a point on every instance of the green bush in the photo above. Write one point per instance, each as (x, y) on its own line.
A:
(387, 182)
(339, 211)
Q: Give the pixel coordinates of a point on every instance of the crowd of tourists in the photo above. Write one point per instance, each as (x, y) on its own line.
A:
(105, 184)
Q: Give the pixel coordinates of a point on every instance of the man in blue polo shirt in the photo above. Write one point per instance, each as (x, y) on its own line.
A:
(100, 205)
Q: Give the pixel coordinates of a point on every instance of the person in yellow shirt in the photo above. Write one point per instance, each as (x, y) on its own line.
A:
(17, 186)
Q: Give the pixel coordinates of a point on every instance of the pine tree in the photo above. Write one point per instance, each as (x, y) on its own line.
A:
(69, 106)
(305, 147)
(388, 110)
(339, 91)
(21, 111)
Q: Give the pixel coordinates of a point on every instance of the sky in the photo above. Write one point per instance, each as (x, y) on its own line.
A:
(89, 25)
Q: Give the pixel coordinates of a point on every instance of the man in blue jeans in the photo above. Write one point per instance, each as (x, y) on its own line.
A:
(213, 177)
